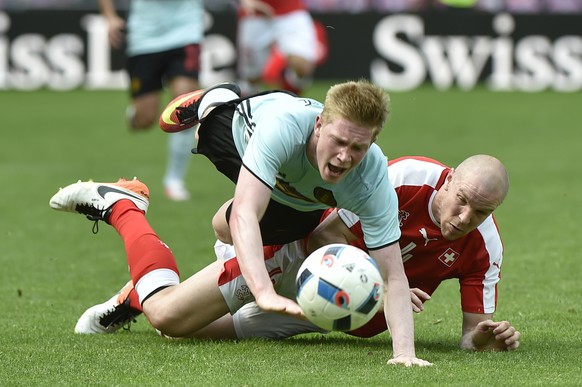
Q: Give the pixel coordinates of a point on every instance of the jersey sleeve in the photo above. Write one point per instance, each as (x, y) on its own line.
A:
(378, 212)
(351, 221)
(478, 285)
(380, 227)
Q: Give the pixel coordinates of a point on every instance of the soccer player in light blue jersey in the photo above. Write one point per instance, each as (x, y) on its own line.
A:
(291, 158)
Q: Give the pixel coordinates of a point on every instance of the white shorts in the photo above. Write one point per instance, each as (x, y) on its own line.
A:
(282, 263)
(252, 321)
(293, 33)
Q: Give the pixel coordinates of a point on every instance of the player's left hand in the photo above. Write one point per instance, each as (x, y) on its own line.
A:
(409, 361)
(497, 336)
(418, 297)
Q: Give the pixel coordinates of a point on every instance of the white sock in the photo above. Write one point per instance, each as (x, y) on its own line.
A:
(215, 97)
(180, 145)
(154, 280)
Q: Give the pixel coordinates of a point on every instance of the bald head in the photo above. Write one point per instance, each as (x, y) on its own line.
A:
(487, 174)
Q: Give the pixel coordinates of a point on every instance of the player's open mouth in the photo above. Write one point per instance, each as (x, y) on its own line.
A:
(337, 171)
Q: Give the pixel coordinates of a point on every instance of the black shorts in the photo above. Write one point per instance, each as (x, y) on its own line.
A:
(280, 224)
(148, 72)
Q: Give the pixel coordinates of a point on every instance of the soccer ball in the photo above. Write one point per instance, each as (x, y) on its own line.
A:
(339, 287)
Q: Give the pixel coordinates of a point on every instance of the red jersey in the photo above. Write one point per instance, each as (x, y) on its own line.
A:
(429, 259)
(282, 7)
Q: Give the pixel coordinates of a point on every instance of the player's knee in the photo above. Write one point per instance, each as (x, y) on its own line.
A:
(164, 318)
(220, 225)
(222, 231)
(301, 66)
(145, 119)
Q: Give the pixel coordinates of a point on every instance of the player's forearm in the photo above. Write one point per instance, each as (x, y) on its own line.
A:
(247, 241)
(399, 318)
(397, 308)
(107, 8)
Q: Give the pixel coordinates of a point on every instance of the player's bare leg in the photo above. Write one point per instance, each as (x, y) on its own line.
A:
(185, 309)
(145, 111)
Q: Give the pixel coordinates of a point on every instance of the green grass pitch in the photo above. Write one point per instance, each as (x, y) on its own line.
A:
(52, 268)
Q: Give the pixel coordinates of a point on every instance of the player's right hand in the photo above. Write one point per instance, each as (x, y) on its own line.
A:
(409, 361)
(116, 32)
(272, 302)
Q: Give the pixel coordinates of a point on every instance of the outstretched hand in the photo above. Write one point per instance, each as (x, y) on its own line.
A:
(116, 32)
(496, 336)
(418, 297)
(409, 361)
(273, 302)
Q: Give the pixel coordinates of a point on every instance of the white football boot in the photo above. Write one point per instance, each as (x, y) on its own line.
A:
(109, 316)
(94, 200)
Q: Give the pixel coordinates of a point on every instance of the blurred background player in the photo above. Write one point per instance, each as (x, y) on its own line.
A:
(279, 44)
(162, 42)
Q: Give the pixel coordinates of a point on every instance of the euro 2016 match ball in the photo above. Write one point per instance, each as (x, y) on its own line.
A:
(339, 287)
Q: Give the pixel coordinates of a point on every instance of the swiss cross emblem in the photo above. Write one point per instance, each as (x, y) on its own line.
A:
(449, 257)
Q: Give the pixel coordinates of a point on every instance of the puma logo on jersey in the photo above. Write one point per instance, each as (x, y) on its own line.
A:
(425, 236)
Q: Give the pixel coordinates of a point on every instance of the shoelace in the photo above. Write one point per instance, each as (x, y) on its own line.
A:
(117, 317)
(95, 228)
(186, 114)
(125, 324)
(93, 214)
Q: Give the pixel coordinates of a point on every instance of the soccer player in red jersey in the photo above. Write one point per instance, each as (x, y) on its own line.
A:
(448, 231)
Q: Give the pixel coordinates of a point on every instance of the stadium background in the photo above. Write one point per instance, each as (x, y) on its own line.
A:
(62, 45)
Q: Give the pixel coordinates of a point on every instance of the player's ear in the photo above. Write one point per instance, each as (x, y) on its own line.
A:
(375, 136)
(449, 178)
(318, 124)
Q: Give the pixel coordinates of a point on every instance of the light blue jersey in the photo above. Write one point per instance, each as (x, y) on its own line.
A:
(271, 133)
(161, 25)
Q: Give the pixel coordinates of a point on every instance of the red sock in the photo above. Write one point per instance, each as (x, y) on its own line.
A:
(274, 68)
(144, 249)
(134, 300)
